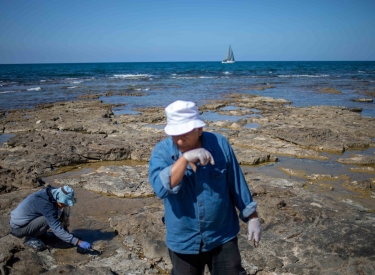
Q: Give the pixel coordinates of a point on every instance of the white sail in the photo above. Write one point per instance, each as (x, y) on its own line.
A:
(230, 56)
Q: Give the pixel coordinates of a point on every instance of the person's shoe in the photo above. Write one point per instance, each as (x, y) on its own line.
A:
(35, 243)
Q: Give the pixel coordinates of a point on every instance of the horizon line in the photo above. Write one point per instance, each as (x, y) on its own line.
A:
(45, 63)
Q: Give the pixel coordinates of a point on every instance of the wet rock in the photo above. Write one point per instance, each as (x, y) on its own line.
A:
(366, 169)
(363, 185)
(355, 109)
(363, 100)
(330, 90)
(358, 160)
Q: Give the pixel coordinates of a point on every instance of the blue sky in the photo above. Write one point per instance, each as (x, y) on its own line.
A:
(35, 31)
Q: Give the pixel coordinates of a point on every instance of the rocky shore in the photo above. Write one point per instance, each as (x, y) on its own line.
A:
(313, 222)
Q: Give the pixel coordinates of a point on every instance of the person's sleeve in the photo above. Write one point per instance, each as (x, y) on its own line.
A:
(160, 173)
(238, 188)
(54, 223)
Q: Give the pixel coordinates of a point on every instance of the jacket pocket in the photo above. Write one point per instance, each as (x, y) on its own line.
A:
(218, 183)
(218, 174)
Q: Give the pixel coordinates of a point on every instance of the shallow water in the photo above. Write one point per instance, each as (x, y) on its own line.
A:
(5, 137)
(213, 116)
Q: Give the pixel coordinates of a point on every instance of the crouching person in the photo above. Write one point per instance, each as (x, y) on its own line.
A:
(39, 212)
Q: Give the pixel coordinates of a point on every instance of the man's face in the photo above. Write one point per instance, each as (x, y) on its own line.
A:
(188, 141)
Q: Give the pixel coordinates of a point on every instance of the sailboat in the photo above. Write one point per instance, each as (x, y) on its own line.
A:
(230, 56)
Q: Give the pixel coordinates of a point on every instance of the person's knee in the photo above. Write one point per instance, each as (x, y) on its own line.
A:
(16, 233)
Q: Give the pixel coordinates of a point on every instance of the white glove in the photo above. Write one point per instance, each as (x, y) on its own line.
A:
(200, 154)
(254, 230)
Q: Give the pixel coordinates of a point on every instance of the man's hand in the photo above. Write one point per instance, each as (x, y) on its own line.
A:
(200, 154)
(84, 245)
(254, 230)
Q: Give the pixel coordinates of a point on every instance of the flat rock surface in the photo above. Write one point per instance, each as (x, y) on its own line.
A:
(316, 219)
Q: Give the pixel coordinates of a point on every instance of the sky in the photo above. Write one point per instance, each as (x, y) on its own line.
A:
(36, 31)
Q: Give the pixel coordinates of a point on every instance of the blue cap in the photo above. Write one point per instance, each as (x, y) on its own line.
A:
(64, 195)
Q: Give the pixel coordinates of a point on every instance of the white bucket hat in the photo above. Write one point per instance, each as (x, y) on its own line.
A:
(182, 117)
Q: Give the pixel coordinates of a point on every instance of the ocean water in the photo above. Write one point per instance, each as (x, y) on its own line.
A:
(132, 85)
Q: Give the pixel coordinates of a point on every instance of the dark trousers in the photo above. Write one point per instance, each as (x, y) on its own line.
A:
(35, 228)
(222, 260)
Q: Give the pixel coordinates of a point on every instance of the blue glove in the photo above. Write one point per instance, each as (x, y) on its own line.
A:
(84, 245)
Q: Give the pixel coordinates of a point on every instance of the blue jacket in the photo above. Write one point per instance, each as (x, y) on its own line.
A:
(202, 208)
(38, 204)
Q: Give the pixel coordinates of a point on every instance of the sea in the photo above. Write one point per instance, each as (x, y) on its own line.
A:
(146, 84)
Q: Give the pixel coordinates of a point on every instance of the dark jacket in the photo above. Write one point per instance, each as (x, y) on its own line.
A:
(38, 204)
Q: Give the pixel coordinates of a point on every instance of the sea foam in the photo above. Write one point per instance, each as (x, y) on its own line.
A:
(7, 92)
(35, 89)
(131, 76)
(304, 75)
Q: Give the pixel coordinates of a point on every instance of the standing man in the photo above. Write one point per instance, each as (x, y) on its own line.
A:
(201, 182)
(39, 212)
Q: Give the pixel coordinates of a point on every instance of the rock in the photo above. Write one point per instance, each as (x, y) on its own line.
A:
(330, 90)
(247, 156)
(121, 181)
(69, 269)
(355, 109)
(366, 169)
(121, 263)
(144, 232)
(363, 100)
(9, 245)
(267, 144)
(358, 160)
(304, 224)
(364, 185)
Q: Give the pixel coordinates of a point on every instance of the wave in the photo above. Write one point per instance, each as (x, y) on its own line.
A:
(192, 77)
(77, 82)
(7, 92)
(35, 89)
(303, 75)
(131, 76)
